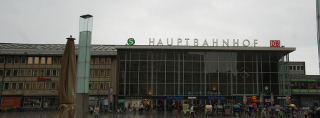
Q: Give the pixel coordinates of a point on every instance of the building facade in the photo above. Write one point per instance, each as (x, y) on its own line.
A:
(30, 72)
(202, 75)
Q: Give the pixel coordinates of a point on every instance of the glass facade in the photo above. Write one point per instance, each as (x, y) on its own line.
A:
(202, 73)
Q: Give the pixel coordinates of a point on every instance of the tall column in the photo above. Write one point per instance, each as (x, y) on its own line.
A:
(318, 30)
(83, 66)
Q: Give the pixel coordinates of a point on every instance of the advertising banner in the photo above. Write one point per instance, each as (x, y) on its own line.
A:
(11, 102)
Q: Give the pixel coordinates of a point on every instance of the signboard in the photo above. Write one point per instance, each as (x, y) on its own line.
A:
(11, 102)
(131, 41)
(254, 97)
(43, 79)
(274, 43)
(111, 95)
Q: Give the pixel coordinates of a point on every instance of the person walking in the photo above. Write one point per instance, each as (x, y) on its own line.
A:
(96, 112)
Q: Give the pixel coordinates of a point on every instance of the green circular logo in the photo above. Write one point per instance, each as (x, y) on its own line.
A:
(131, 41)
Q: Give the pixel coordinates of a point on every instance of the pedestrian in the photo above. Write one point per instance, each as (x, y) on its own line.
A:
(91, 110)
(96, 112)
(280, 113)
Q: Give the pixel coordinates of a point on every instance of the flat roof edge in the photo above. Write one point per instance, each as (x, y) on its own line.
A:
(137, 47)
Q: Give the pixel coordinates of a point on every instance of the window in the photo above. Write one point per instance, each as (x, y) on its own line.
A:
(294, 67)
(107, 85)
(8, 72)
(108, 60)
(96, 60)
(96, 73)
(20, 86)
(1, 72)
(22, 72)
(107, 73)
(34, 85)
(43, 60)
(29, 72)
(16, 59)
(1, 59)
(41, 72)
(90, 85)
(101, 85)
(55, 60)
(6, 86)
(290, 67)
(48, 73)
(15, 72)
(30, 60)
(35, 72)
(41, 85)
(36, 60)
(47, 85)
(102, 73)
(91, 60)
(91, 73)
(49, 60)
(9, 59)
(53, 85)
(13, 85)
(302, 68)
(54, 73)
(23, 60)
(28, 85)
(95, 86)
(102, 60)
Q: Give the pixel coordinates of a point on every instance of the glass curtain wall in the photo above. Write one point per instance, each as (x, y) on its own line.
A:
(200, 73)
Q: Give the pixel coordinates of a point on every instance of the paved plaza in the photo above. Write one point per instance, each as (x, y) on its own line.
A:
(51, 114)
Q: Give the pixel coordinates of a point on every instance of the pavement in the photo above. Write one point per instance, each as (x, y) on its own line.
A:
(153, 114)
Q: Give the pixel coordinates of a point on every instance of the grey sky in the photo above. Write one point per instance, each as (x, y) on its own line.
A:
(114, 21)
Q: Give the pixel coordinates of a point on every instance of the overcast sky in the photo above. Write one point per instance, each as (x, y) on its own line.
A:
(114, 21)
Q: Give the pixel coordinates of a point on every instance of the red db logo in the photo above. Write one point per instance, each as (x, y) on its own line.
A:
(274, 43)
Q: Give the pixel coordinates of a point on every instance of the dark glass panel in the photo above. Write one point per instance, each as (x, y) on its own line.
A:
(196, 78)
(196, 66)
(170, 56)
(143, 66)
(170, 66)
(170, 89)
(274, 78)
(143, 89)
(143, 55)
(134, 65)
(249, 88)
(170, 77)
(134, 89)
(161, 89)
(160, 77)
(133, 77)
(187, 77)
(135, 55)
(143, 77)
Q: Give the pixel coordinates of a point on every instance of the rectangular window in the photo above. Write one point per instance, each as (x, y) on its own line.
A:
(1, 59)
(28, 85)
(20, 86)
(96, 73)
(294, 67)
(101, 85)
(108, 60)
(29, 72)
(34, 85)
(54, 72)
(41, 84)
(22, 72)
(1, 72)
(102, 73)
(41, 72)
(302, 67)
(95, 86)
(90, 85)
(91, 60)
(290, 67)
(43, 60)
(23, 60)
(16, 59)
(9, 59)
(6, 86)
(55, 60)
(49, 60)
(15, 72)
(13, 85)
(35, 72)
(91, 73)
(298, 67)
(8, 72)
(36, 60)
(107, 85)
(108, 73)
(53, 85)
(102, 60)
(96, 60)
(30, 60)
(47, 85)
(48, 73)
